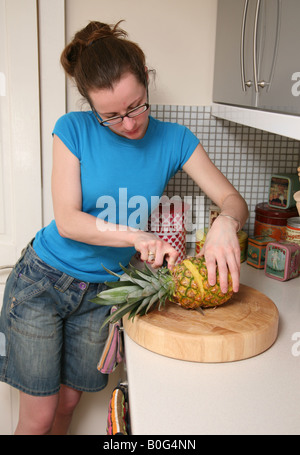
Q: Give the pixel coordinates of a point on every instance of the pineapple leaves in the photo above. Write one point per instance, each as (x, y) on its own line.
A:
(131, 275)
(115, 296)
(110, 272)
(140, 308)
(118, 314)
(135, 292)
(143, 275)
(117, 284)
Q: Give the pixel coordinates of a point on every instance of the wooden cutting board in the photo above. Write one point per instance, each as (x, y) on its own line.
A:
(245, 326)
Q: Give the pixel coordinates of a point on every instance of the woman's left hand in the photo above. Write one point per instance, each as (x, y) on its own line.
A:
(221, 249)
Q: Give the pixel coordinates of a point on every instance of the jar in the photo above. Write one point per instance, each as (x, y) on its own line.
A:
(200, 239)
(242, 238)
(243, 241)
(293, 230)
(177, 240)
(168, 221)
(271, 222)
(282, 188)
(169, 217)
(282, 260)
(257, 250)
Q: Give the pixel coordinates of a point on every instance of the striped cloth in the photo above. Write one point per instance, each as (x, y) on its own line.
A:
(116, 420)
(113, 352)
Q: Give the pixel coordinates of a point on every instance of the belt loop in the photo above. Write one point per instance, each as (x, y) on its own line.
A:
(63, 282)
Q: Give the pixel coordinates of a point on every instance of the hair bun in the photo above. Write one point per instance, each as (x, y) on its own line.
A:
(98, 30)
(86, 37)
(99, 55)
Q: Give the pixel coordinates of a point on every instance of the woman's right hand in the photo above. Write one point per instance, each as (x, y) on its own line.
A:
(147, 244)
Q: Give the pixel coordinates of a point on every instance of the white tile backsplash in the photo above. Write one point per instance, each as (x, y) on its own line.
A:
(246, 156)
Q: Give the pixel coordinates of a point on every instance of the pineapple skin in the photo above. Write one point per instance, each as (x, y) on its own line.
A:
(187, 292)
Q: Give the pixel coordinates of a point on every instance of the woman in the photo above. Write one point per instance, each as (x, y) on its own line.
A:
(116, 148)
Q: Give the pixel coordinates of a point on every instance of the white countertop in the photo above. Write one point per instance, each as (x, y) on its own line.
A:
(260, 395)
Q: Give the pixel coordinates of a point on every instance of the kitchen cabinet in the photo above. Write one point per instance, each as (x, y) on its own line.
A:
(257, 61)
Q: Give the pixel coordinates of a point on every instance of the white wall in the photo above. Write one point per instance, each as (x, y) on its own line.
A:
(178, 38)
(20, 169)
(20, 176)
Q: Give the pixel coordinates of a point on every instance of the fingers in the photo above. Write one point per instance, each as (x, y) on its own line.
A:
(144, 251)
(165, 251)
(233, 267)
(171, 259)
(227, 263)
(154, 250)
(222, 251)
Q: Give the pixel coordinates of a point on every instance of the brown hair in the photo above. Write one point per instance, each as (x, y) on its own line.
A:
(99, 55)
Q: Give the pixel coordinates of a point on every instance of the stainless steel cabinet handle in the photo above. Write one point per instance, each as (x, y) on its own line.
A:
(263, 84)
(257, 84)
(268, 84)
(242, 53)
(255, 45)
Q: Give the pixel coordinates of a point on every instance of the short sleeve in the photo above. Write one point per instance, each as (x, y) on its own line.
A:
(188, 145)
(67, 129)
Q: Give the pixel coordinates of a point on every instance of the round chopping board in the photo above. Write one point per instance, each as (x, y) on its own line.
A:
(245, 326)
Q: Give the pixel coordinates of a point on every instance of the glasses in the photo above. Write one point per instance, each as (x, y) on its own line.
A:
(119, 118)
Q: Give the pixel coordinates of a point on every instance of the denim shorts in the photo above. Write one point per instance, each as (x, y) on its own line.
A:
(50, 330)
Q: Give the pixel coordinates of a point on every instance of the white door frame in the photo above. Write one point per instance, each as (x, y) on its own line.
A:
(52, 87)
(20, 129)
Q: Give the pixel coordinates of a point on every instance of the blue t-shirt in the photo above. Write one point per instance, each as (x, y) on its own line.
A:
(118, 178)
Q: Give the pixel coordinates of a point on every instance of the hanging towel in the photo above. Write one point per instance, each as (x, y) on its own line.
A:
(113, 352)
(117, 413)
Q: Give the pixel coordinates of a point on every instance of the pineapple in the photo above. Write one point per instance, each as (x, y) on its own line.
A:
(142, 290)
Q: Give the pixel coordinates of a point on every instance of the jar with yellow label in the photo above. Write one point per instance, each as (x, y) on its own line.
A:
(242, 237)
(200, 239)
(293, 230)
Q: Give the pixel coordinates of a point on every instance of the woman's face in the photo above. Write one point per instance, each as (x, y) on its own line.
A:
(125, 95)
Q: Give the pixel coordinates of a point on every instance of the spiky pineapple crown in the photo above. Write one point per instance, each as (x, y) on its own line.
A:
(136, 292)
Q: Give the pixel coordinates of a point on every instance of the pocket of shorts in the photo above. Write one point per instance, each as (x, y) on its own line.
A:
(29, 311)
(30, 282)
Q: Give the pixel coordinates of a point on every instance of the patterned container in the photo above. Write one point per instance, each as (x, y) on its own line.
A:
(282, 188)
(177, 240)
(271, 222)
(282, 260)
(168, 223)
(293, 230)
(257, 250)
(168, 217)
(243, 241)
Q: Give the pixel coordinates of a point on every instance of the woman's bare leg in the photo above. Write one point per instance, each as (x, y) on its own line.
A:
(67, 402)
(36, 414)
(47, 415)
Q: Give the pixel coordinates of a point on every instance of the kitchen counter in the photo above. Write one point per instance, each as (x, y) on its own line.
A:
(259, 395)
